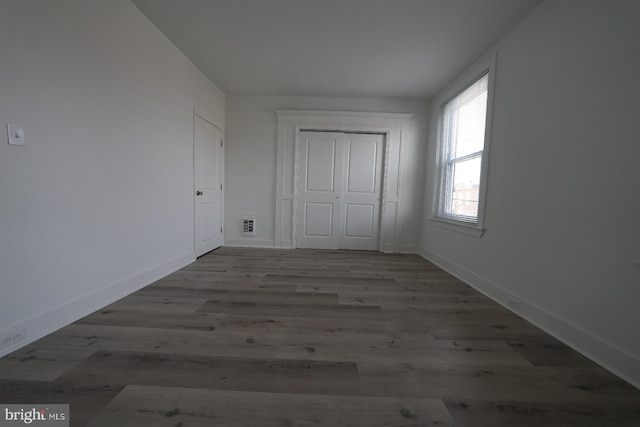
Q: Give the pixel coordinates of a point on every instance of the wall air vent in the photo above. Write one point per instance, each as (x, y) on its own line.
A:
(248, 228)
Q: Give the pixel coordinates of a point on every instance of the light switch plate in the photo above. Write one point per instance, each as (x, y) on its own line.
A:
(15, 134)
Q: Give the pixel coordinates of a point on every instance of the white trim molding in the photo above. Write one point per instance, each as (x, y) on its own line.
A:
(249, 243)
(344, 118)
(458, 227)
(290, 122)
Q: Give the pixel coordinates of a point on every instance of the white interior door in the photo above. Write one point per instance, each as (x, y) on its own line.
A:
(208, 166)
(319, 190)
(362, 190)
(339, 188)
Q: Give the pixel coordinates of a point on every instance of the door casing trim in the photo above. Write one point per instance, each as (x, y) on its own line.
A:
(393, 126)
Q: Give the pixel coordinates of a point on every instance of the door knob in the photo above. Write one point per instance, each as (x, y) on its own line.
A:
(199, 193)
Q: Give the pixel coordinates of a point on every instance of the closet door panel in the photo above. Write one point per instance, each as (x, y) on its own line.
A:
(362, 193)
(319, 189)
(339, 190)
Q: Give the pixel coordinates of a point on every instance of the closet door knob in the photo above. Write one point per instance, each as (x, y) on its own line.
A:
(199, 193)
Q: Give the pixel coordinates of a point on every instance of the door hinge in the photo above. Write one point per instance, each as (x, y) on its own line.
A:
(220, 143)
(220, 229)
(220, 187)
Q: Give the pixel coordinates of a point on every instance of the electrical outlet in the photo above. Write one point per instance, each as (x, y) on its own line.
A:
(12, 337)
(514, 303)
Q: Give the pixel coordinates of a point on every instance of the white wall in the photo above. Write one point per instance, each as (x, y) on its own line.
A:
(250, 156)
(563, 207)
(100, 201)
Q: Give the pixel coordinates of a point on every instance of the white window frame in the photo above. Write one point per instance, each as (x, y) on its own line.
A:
(439, 218)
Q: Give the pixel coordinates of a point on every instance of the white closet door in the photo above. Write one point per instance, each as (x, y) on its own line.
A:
(362, 192)
(339, 188)
(319, 189)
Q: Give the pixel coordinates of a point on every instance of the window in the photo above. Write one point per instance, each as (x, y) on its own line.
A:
(462, 142)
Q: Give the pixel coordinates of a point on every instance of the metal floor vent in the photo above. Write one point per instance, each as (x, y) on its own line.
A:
(248, 226)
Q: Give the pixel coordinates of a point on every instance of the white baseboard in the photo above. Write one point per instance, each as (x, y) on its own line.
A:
(53, 319)
(250, 243)
(609, 356)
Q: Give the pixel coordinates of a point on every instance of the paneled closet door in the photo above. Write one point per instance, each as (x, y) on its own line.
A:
(360, 222)
(339, 190)
(319, 189)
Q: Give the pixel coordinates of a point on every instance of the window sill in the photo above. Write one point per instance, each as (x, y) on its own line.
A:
(459, 227)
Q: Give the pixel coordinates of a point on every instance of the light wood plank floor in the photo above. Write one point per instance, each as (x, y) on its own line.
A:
(263, 337)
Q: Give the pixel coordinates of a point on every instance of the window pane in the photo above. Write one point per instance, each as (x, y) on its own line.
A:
(463, 123)
(469, 126)
(466, 187)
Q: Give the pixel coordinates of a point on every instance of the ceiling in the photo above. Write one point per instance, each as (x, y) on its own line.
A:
(378, 48)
